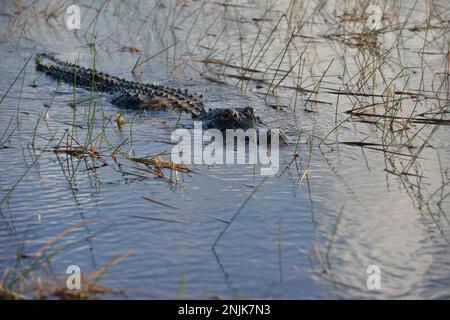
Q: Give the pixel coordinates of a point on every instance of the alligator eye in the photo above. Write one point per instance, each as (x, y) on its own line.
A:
(226, 114)
(196, 111)
(248, 111)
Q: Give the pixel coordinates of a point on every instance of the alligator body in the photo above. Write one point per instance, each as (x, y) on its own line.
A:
(136, 95)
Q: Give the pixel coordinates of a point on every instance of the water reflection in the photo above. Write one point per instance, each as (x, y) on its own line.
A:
(347, 196)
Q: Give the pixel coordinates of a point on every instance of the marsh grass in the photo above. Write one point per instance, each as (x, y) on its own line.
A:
(366, 76)
(252, 194)
(37, 280)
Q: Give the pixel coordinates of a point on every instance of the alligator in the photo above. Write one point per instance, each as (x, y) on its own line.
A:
(137, 95)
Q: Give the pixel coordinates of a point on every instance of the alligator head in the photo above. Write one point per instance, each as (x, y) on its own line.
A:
(230, 118)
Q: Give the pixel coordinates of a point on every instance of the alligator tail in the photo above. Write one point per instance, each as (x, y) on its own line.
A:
(132, 94)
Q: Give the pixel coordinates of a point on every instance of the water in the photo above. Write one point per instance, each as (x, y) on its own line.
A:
(311, 231)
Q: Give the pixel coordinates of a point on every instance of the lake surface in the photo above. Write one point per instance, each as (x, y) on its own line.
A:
(363, 191)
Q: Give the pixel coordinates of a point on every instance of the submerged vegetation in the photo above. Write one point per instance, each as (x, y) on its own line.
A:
(338, 89)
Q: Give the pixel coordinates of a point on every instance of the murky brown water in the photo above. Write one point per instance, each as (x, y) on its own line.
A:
(337, 208)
